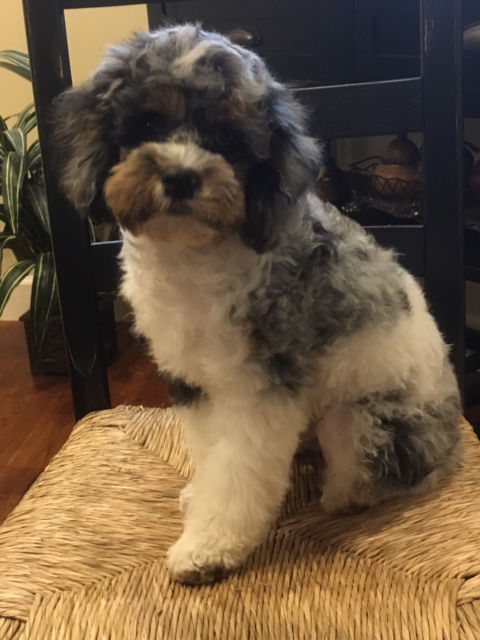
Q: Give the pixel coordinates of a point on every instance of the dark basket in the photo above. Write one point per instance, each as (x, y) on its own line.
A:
(363, 179)
(51, 358)
(397, 198)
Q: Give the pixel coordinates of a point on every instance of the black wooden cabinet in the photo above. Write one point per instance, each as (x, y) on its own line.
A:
(315, 42)
(306, 42)
(319, 41)
(387, 39)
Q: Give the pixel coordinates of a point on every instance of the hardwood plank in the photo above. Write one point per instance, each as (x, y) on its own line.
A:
(36, 415)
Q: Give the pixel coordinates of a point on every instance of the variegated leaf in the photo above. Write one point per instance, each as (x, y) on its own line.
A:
(3, 127)
(44, 296)
(37, 199)
(13, 175)
(12, 278)
(17, 62)
(5, 238)
(34, 157)
(27, 119)
(3, 216)
(14, 140)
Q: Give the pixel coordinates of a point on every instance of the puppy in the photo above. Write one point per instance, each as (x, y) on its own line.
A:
(270, 312)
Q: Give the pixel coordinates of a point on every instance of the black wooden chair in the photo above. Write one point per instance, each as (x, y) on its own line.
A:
(431, 103)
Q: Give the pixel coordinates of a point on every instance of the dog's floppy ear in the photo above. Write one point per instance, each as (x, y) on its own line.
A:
(83, 154)
(272, 185)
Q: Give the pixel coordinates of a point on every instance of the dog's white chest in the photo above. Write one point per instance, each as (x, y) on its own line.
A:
(190, 308)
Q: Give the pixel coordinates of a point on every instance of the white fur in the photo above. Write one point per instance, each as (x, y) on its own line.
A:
(243, 439)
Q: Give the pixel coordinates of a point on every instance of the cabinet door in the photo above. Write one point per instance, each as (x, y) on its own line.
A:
(306, 42)
(388, 39)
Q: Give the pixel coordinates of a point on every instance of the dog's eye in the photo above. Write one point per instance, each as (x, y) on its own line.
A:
(198, 117)
(153, 124)
(148, 126)
(223, 136)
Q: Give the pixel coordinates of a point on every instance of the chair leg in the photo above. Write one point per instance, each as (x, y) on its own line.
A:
(78, 301)
(443, 159)
(156, 14)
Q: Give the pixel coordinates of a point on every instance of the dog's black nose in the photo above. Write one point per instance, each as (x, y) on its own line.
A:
(181, 183)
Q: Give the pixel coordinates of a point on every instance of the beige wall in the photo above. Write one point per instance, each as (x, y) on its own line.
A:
(14, 92)
(89, 32)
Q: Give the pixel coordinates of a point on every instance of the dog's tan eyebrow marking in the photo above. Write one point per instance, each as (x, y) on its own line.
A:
(226, 110)
(167, 100)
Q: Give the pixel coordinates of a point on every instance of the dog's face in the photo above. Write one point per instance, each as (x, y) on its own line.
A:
(185, 137)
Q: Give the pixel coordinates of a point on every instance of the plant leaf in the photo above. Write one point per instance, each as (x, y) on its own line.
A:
(12, 278)
(4, 217)
(5, 238)
(3, 127)
(22, 249)
(27, 119)
(44, 295)
(13, 175)
(34, 157)
(17, 62)
(36, 196)
(14, 140)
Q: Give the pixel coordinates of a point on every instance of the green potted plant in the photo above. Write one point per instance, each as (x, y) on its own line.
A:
(26, 232)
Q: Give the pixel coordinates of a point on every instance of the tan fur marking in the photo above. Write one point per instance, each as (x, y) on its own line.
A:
(130, 190)
(167, 100)
(134, 192)
(227, 111)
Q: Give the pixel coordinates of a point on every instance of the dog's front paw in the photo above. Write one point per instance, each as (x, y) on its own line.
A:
(195, 561)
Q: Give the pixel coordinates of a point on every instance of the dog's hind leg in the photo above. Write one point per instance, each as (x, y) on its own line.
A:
(380, 447)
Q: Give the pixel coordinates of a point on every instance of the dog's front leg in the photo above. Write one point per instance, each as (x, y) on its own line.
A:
(238, 486)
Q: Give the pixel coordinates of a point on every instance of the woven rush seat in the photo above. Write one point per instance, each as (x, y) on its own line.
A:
(82, 555)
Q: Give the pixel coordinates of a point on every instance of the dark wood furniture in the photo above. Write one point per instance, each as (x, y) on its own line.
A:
(430, 102)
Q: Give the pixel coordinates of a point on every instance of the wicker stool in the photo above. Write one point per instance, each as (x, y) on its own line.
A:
(81, 557)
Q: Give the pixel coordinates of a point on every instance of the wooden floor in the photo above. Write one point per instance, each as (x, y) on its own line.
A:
(36, 414)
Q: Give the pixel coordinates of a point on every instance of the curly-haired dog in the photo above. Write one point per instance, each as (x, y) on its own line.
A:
(270, 312)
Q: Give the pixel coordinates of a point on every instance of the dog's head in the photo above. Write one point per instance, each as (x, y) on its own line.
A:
(182, 134)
